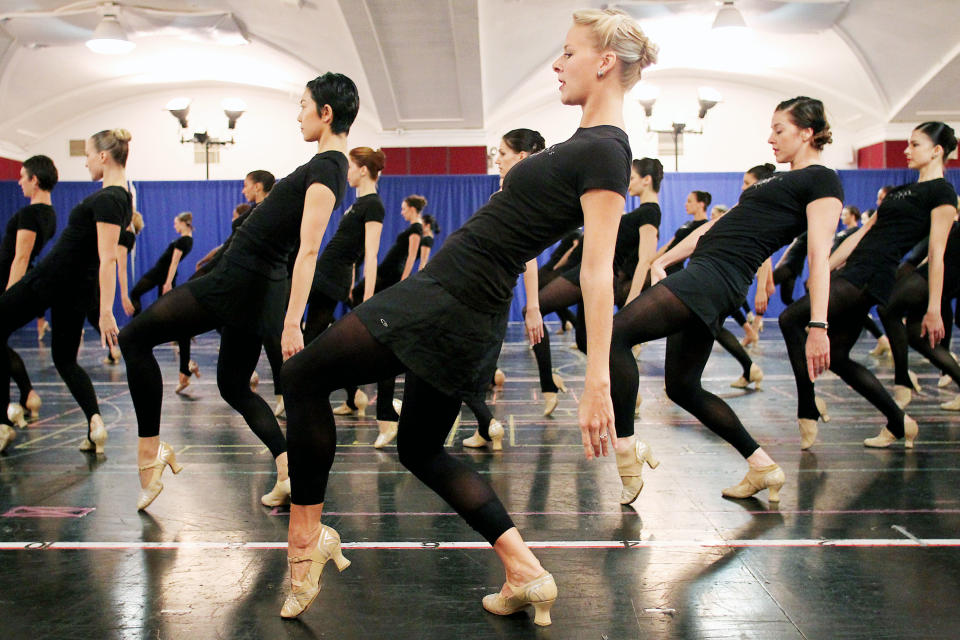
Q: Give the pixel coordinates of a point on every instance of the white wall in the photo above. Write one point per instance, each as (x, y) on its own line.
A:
(267, 136)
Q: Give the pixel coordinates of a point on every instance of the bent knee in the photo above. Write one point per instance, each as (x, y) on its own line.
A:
(680, 390)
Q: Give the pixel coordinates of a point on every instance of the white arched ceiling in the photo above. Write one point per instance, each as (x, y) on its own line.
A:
(462, 70)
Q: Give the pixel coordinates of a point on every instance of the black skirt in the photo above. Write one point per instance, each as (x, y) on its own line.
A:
(436, 336)
(241, 298)
(706, 292)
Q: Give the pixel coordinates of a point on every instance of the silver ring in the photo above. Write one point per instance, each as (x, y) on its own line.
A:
(603, 436)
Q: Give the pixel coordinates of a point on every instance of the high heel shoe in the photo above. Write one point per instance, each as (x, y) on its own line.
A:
(499, 377)
(882, 348)
(550, 400)
(770, 477)
(822, 408)
(183, 381)
(33, 404)
(388, 431)
(756, 376)
(902, 395)
(751, 338)
(165, 458)
(495, 430)
(254, 381)
(630, 466)
(303, 593)
(279, 411)
(914, 381)
(194, 368)
(884, 439)
(808, 432)
(636, 406)
(7, 435)
(540, 593)
(360, 399)
(279, 495)
(97, 437)
(15, 415)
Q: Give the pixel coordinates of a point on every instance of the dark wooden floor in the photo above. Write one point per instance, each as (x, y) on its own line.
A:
(864, 544)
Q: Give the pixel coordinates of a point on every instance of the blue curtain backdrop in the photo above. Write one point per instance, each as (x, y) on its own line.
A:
(451, 199)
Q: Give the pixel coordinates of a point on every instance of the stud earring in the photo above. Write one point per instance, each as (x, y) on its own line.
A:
(599, 74)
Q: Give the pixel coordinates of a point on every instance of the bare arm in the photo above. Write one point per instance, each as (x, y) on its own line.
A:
(122, 254)
(371, 245)
(424, 257)
(941, 220)
(318, 204)
(532, 319)
(207, 258)
(839, 257)
(601, 215)
(172, 270)
(822, 217)
(764, 280)
(566, 255)
(680, 252)
(413, 244)
(645, 252)
(21, 258)
(107, 237)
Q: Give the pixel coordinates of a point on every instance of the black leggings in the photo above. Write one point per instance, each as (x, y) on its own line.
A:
(909, 299)
(386, 388)
(347, 353)
(25, 301)
(739, 316)
(656, 313)
(871, 325)
(178, 314)
(559, 294)
(483, 415)
(320, 308)
(544, 277)
(786, 278)
(847, 308)
(18, 371)
(729, 342)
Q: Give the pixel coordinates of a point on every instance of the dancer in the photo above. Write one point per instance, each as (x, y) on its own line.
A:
(465, 294)
(125, 244)
(244, 294)
(566, 255)
(83, 258)
(696, 206)
(689, 305)
(871, 256)
(636, 237)
(397, 265)
(358, 234)
(27, 232)
(430, 229)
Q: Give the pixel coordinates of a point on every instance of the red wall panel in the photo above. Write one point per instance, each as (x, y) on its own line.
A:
(9, 169)
(429, 161)
(404, 161)
(870, 157)
(894, 154)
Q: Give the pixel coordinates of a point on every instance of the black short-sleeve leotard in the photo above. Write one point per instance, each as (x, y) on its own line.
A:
(391, 268)
(128, 239)
(332, 275)
(678, 237)
(160, 269)
(903, 220)
(796, 254)
(770, 214)
(264, 241)
(562, 247)
(627, 253)
(74, 257)
(426, 241)
(841, 236)
(39, 218)
(951, 266)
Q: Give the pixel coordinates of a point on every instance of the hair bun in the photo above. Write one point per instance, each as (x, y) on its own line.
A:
(122, 135)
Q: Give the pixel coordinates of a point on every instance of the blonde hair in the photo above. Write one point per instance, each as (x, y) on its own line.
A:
(137, 222)
(186, 218)
(115, 141)
(616, 31)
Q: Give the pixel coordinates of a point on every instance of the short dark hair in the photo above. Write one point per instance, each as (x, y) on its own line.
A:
(650, 167)
(263, 178)
(340, 93)
(762, 171)
(430, 220)
(853, 209)
(704, 197)
(44, 170)
(524, 140)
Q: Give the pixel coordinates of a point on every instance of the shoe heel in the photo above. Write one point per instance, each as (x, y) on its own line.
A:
(559, 383)
(652, 462)
(340, 560)
(774, 490)
(542, 612)
(172, 463)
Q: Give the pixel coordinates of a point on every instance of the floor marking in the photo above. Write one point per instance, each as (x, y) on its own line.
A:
(906, 533)
(48, 512)
(513, 434)
(197, 545)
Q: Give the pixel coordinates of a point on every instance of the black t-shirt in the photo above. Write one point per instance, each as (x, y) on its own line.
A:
(426, 241)
(540, 202)
(841, 236)
(770, 213)
(127, 239)
(184, 243)
(562, 247)
(264, 241)
(903, 220)
(678, 237)
(627, 253)
(75, 254)
(391, 268)
(346, 245)
(39, 218)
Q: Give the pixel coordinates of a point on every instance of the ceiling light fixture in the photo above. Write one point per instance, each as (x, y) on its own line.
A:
(109, 37)
(729, 17)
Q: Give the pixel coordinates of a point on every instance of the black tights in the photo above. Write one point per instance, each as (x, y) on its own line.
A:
(909, 299)
(729, 342)
(320, 310)
(847, 308)
(177, 314)
(25, 301)
(786, 278)
(18, 371)
(347, 353)
(559, 294)
(654, 314)
(738, 314)
(544, 277)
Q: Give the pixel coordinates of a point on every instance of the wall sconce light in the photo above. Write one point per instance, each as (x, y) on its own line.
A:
(708, 99)
(647, 95)
(233, 108)
(179, 108)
